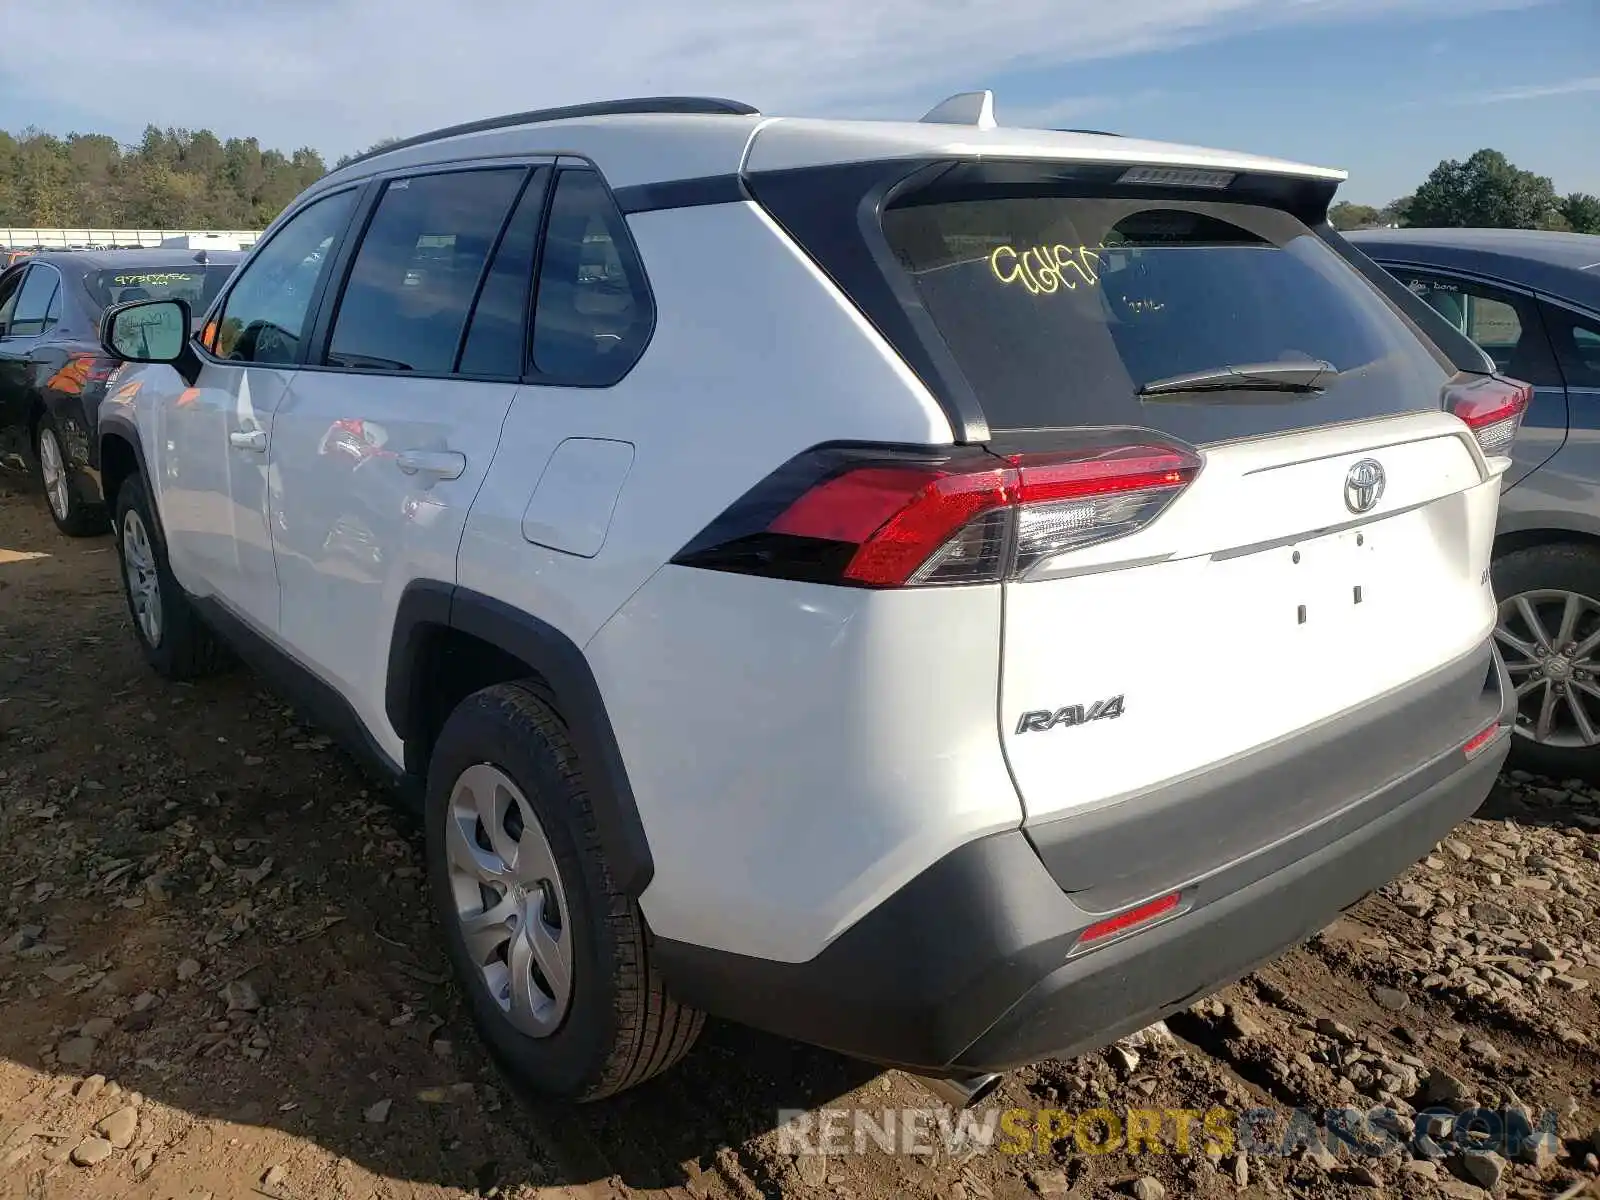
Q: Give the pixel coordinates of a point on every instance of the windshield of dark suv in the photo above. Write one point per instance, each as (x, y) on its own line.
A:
(1069, 310)
(198, 285)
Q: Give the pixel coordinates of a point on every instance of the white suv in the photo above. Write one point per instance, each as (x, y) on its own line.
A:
(948, 593)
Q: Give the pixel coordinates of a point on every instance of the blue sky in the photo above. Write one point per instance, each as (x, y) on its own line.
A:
(1382, 88)
(1385, 98)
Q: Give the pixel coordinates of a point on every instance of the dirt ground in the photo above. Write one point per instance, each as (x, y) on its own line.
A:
(218, 978)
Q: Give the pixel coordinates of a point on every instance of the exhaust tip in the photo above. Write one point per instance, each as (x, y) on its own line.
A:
(962, 1091)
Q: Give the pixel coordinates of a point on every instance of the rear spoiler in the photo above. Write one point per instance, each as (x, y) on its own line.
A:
(1461, 350)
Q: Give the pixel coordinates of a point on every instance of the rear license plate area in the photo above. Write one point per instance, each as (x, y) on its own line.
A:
(1326, 582)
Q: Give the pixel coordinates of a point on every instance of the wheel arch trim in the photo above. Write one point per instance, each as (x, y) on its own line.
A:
(76, 436)
(116, 428)
(428, 606)
(1521, 531)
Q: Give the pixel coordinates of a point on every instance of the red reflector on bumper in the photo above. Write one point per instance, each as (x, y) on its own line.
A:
(1125, 921)
(1478, 742)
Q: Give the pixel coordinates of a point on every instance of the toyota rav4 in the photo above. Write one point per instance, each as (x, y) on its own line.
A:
(949, 593)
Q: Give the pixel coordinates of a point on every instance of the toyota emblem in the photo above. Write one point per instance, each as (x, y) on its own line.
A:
(1363, 485)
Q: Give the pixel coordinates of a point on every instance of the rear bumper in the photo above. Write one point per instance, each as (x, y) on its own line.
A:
(1124, 987)
(969, 967)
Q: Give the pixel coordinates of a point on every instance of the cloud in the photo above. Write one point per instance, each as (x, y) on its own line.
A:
(340, 74)
(1537, 91)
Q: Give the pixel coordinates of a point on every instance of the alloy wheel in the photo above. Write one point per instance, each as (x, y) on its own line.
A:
(1550, 640)
(509, 899)
(53, 470)
(144, 585)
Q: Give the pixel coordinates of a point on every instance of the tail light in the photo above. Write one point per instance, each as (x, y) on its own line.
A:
(882, 517)
(1492, 408)
(81, 370)
(100, 369)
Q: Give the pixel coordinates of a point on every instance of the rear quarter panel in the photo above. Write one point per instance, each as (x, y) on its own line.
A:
(798, 751)
(755, 357)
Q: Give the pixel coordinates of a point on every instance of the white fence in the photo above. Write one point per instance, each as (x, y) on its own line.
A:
(68, 239)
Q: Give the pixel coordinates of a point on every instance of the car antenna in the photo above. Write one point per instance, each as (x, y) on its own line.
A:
(201, 258)
(964, 108)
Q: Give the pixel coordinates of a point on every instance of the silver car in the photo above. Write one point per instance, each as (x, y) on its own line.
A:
(1531, 300)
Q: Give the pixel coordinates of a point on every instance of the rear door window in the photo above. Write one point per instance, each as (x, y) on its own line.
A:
(496, 345)
(418, 269)
(1577, 344)
(1061, 308)
(593, 313)
(1505, 325)
(31, 317)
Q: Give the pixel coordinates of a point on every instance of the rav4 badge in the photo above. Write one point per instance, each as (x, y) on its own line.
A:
(1072, 714)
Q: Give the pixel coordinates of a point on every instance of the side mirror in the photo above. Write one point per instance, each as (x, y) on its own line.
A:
(146, 330)
(151, 331)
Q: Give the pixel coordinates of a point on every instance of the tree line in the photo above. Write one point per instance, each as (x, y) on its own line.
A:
(191, 179)
(170, 179)
(1486, 191)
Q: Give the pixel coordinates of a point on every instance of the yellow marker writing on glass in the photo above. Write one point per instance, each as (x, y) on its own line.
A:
(158, 280)
(1046, 269)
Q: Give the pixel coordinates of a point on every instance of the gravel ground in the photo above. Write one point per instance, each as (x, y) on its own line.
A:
(217, 977)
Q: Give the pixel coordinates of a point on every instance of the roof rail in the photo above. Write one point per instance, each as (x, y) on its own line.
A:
(964, 108)
(697, 105)
(1093, 132)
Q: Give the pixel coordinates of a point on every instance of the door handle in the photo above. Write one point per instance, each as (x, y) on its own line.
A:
(248, 439)
(445, 464)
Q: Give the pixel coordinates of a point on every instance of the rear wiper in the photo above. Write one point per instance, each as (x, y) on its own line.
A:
(1268, 377)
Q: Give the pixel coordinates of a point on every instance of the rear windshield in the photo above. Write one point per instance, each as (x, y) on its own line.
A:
(1059, 309)
(196, 284)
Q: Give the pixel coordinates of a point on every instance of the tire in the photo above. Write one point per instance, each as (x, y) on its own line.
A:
(618, 1027)
(178, 643)
(1540, 575)
(73, 515)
